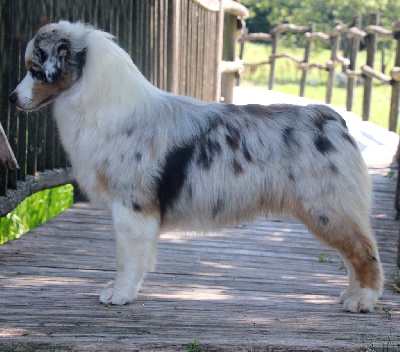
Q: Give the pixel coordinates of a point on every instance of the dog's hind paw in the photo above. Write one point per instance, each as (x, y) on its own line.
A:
(362, 300)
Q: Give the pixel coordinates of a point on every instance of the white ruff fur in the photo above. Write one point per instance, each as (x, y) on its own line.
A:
(157, 161)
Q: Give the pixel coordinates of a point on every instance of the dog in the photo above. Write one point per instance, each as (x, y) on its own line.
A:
(161, 161)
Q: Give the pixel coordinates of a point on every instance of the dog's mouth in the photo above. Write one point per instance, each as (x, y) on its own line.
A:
(44, 102)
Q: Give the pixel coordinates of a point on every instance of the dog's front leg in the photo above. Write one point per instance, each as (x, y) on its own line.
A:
(136, 237)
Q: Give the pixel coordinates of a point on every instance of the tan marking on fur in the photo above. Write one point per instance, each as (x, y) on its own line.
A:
(42, 91)
(28, 64)
(365, 270)
(102, 183)
(356, 247)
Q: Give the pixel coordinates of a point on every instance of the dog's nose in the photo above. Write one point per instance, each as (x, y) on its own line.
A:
(13, 97)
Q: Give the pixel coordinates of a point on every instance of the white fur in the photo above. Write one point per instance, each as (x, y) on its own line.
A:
(25, 90)
(136, 243)
(124, 137)
(360, 300)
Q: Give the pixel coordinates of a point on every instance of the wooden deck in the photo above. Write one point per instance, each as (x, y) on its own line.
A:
(265, 286)
(248, 288)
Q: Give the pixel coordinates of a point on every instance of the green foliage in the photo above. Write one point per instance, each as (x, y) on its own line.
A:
(390, 174)
(264, 14)
(396, 280)
(323, 258)
(194, 346)
(35, 210)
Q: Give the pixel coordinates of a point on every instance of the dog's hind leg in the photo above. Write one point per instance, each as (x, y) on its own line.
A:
(358, 249)
(136, 239)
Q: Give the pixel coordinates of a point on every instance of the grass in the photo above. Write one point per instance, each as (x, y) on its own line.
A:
(35, 210)
(288, 80)
(194, 346)
(396, 280)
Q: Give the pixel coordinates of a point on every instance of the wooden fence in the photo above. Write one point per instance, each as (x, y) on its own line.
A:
(177, 44)
(354, 32)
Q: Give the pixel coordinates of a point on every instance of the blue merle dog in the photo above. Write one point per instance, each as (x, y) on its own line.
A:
(161, 161)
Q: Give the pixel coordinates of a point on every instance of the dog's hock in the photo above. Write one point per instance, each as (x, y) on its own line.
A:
(6, 154)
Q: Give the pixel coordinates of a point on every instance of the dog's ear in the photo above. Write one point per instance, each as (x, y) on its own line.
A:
(54, 64)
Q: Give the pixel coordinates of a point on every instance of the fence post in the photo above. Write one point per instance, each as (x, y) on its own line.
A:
(371, 40)
(354, 48)
(275, 38)
(307, 51)
(394, 102)
(5, 43)
(229, 54)
(242, 43)
(173, 46)
(331, 67)
(218, 55)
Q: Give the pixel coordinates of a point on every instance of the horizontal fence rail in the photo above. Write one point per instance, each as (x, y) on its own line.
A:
(355, 34)
(177, 45)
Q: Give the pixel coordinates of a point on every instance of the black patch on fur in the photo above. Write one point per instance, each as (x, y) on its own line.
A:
(136, 206)
(232, 109)
(217, 207)
(320, 122)
(129, 131)
(204, 160)
(232, 137)
(246, 152)
(208, 150)
(80, 59)
(328, 114)
(237, 168)
(190, 191)
(173, 176)
(43, 55)
(349, 139)
(323, 144)
(323, 219)
(260, 140)
(333, 168)
(291, 176)
(288, 136)
(138, 156)
(372, 258)
(255, 109)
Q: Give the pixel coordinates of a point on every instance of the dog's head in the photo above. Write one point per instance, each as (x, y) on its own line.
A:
(54, 59)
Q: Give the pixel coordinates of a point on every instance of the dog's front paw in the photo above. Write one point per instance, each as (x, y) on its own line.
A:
(362, 300)
(116, 296)
(106, 293)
